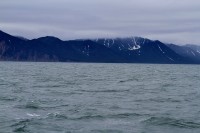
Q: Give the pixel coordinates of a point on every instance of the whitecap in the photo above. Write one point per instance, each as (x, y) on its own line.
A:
(32, 115)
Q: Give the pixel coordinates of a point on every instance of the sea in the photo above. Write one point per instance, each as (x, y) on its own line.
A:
(41, 97)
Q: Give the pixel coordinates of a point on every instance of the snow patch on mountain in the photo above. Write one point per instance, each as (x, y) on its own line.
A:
(160, 49)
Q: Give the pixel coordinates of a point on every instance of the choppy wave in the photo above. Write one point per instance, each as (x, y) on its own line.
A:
(106, 98)
(165, 121)
(107, 131)
(105, 91)
(57, 115)
(129, 80)
(8, 98)
(29, 105)
(35, 106)
(20, 126)
(95, 117)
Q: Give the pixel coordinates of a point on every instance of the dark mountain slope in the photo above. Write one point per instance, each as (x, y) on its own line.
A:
(119, 50)
(187, 52)
(53, 49)
(138, 49)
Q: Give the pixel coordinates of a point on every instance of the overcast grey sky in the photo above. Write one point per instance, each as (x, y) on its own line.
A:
(175, 21)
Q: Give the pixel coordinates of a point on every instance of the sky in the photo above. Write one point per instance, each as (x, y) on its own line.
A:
(170, 21)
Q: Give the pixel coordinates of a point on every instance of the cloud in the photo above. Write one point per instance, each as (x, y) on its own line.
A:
(170, 21)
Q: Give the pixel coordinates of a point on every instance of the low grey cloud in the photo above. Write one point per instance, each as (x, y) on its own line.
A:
(171, 21)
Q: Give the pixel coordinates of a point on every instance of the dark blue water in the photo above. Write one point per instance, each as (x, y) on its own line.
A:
(99, 98)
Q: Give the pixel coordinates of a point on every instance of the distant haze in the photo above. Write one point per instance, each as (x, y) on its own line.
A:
(173, 21)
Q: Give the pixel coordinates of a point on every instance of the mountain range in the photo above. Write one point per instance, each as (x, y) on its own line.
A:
(103, 50)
